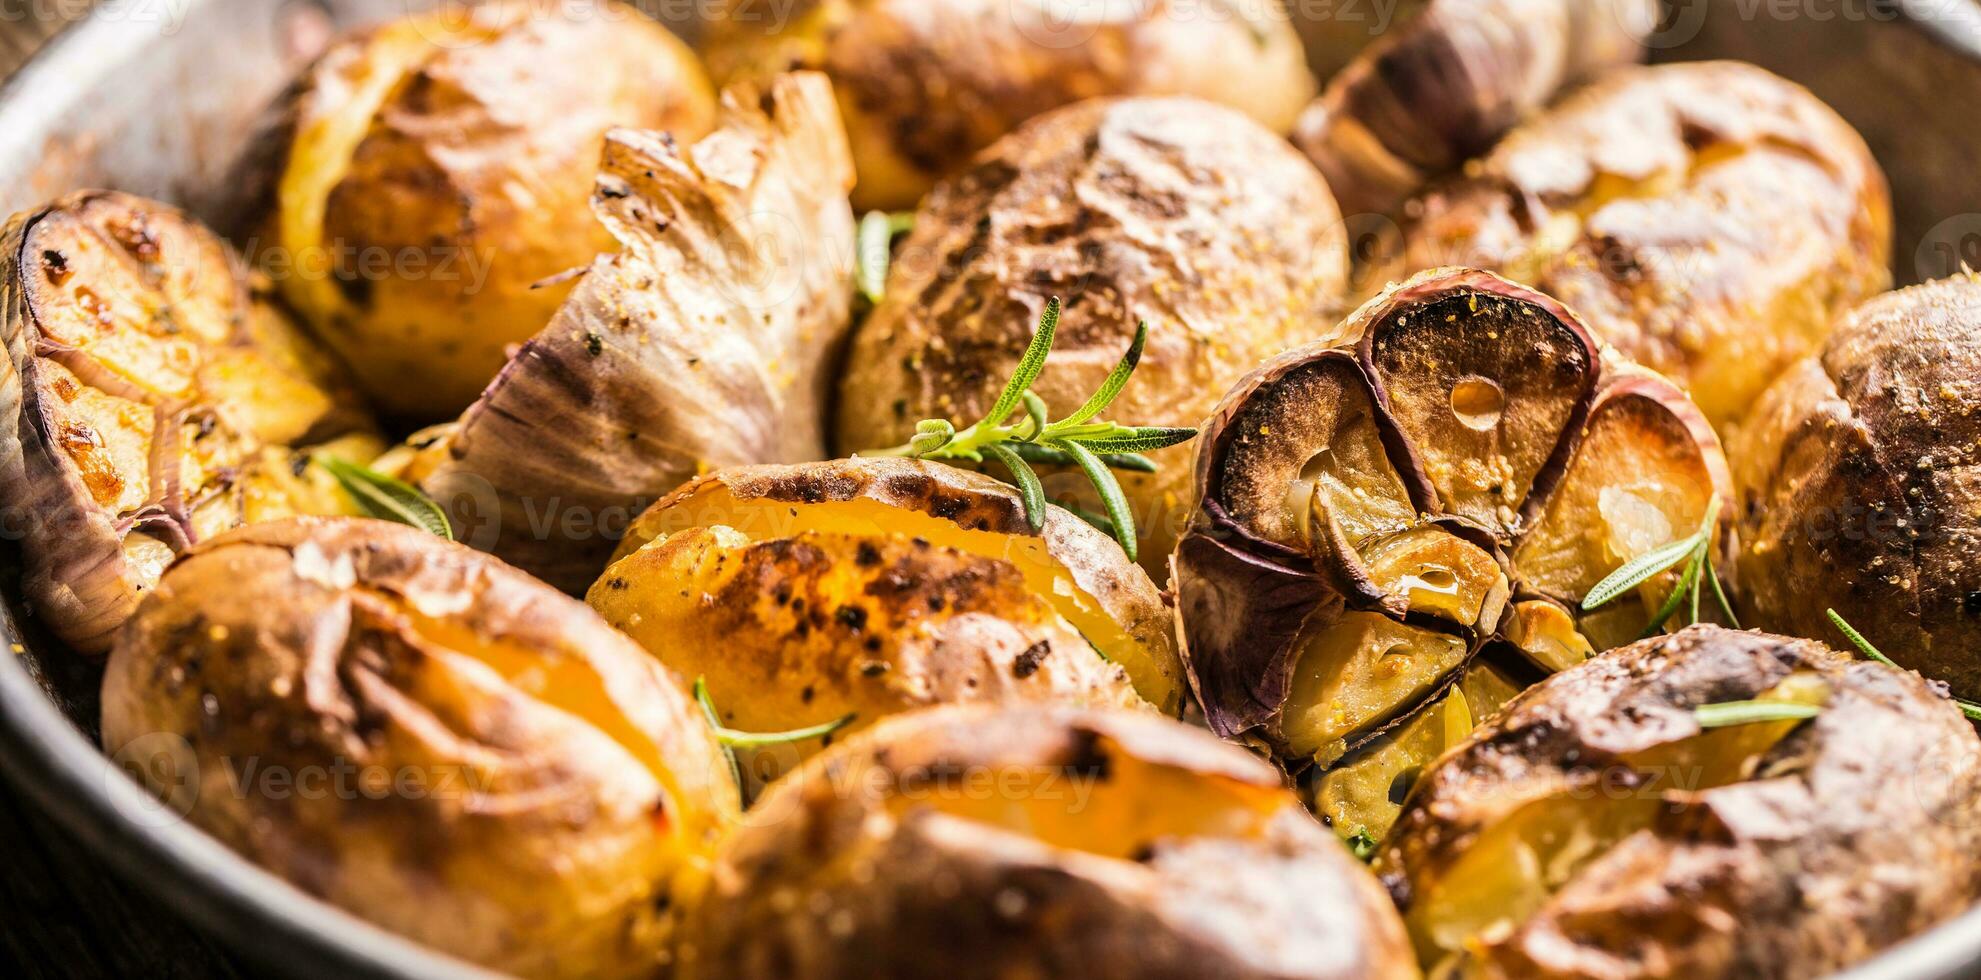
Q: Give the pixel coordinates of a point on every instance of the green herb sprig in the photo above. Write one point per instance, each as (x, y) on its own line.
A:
(1080, 440)
(1696, 553)
(386, 498)
(1968, 708)
(874, 250)
(1362, 844)
(1730, 713)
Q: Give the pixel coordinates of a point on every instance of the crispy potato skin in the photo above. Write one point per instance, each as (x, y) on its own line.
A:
(149, 398)
(499, 774)
(1857, 830)
(925, 84)
(1172, 211)
(972, 501)
(1414, 98)
(875, 860)
(1710, 220)
(800, 631)
(1860, 478)
(437, 168)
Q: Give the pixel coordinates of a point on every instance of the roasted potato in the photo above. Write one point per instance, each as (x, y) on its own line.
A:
(1413, 98)
(412, 730)
(925, 84)
(967, 842)
(1599, 828)
(1173, 211)
(708, 340)
(872, 586)
(1460, 466)
(1710, 220)
(424, 177)
(149, 401)
(1860, 483)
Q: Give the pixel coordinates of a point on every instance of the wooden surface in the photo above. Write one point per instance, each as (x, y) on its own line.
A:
(62, 914)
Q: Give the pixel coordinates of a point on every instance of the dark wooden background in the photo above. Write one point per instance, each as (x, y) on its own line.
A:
(62, 913)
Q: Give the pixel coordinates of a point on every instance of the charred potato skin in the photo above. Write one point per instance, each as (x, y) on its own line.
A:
(135, 337)
(925, 84)
(960, 497)
(1709, 220)
(536, 840)
(1858, 480)
(1095, 203)
(944, 896)
(1446, 81)
(1245, 594)
(465, 174)
(1818, 864)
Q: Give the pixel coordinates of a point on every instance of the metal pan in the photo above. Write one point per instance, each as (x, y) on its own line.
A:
(157, 97)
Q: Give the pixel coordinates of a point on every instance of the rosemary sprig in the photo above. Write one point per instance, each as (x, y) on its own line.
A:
(1095, 448)
(874, 250)
(1968, 708)
(1730, 713)
(734, 739)
(386, 498)
(1695, 552)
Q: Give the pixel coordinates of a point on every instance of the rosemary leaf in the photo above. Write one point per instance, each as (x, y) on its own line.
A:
(1640, 569)
(1029, 487)
(715, 725)
(1362, 844)
(1688, 583)
(1111, 497)
(1857, 639)
(1733, 713)
(1035, 413)
(1032, 452)
(386, 498)
(1139, 440)
(749, 740)
(1029, 366)
(1116, 379)
(1719, 592)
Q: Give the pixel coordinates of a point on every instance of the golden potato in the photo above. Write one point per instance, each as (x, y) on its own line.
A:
(1414, 96)
(925, 84)
(1599, 826)
(1860, 483)
(428, 738)
(966, 842)
(1173, 211)
(868, 587)
(1459, 470)
(427, 174)
(151, 395)
(1708, 219)
(710, 339)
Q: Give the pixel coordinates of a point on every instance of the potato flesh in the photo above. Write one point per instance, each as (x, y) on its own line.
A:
(763, 519)
(1518, 862)
(1366, 794)
(1356, 673)
(1118, 812)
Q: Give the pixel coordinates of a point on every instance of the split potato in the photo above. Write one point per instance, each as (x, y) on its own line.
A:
(1173, 211)
(868, 587)
(1459, 469)
(1598, 826)
(425, 176)
(925, 84)
(708, 340)
(1415, 97)
(1708, 219)
(415, 732)
(151, 398)
(1860, 482)
(966, 842)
